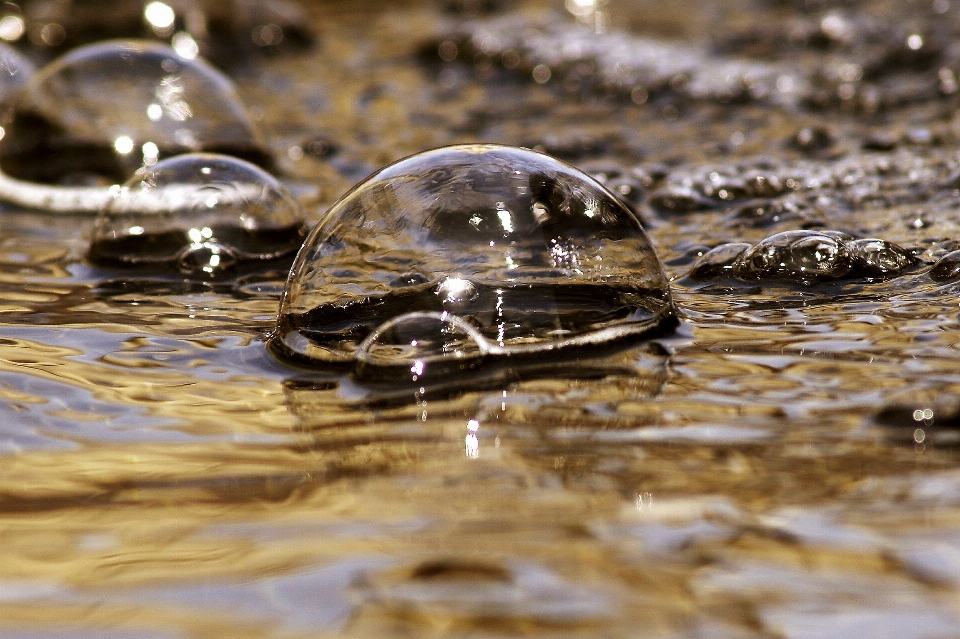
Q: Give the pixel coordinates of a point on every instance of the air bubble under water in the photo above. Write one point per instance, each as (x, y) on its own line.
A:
(201, 214)
(102, 111)
(531, 254)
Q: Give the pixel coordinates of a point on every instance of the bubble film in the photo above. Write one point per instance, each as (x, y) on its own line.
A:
(102, 111)
(532, 253)
(200, 214)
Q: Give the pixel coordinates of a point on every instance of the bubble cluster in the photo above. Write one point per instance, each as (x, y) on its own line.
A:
(481, 251)
(804, 257)
(102, 111)
(198, 214)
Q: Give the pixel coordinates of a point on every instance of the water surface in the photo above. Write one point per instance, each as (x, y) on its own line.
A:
(771, 470)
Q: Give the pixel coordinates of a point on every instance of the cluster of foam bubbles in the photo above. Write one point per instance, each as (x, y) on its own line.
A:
(804, 257)
(463, 255)
(200, 214)
(761, 192)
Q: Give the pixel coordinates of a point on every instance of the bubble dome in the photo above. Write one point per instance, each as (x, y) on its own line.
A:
(532, 253)
(200, 214)
(102, 111)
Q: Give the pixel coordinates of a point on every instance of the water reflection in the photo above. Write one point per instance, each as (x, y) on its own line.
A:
(170, 481)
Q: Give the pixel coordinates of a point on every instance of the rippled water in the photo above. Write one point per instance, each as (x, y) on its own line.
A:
(783, 465)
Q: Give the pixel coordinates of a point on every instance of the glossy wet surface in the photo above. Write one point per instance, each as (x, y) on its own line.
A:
(785, 465)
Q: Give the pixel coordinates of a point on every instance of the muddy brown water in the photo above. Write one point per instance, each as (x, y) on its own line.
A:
(784, 466)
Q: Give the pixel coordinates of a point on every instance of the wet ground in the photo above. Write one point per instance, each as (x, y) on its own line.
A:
(784, 465)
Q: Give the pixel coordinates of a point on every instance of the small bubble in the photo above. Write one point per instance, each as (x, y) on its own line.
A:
(267, 35)
(813, 139)
(879, 257)
(426, 347)
(51, 35)
(541, 74)
(719, 262)
(202, 214)
(448, 51)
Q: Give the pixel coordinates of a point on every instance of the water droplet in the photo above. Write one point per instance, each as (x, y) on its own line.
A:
(98, 109)
(199, 213)
(533, 253)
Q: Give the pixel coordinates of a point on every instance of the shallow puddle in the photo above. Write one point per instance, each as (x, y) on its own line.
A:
(783, 464)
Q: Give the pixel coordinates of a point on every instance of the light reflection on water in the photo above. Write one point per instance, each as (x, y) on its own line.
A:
(162, 476)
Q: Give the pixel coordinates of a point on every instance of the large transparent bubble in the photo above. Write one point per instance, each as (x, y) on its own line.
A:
(200, 214)
(530, 252)
(102, 111)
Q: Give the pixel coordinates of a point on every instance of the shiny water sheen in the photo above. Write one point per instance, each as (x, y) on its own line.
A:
(784, 464)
